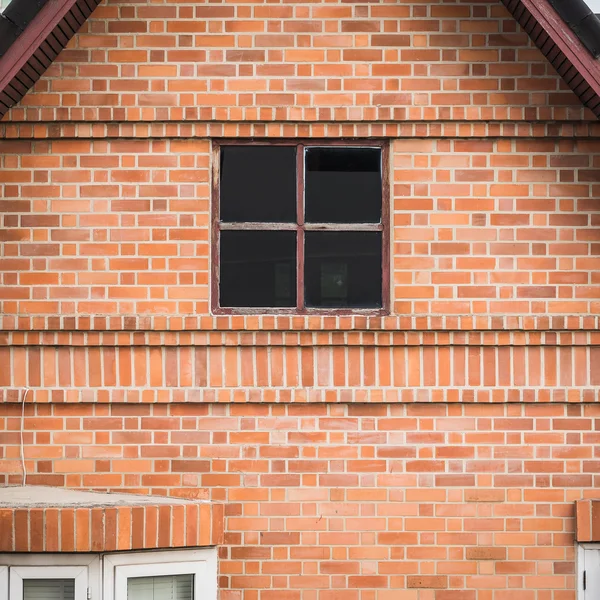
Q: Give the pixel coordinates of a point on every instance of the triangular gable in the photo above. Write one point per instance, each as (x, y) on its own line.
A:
(32, 52)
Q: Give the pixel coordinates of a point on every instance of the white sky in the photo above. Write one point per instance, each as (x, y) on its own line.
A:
(594, 5)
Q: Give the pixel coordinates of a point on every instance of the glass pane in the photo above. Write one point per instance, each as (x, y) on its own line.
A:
(258, 183)
(258, 268)
(343, 185)
(163, 587)
(48, 589)
(343, 269)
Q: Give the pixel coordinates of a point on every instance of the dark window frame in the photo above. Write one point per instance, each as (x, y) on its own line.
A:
(301, 227)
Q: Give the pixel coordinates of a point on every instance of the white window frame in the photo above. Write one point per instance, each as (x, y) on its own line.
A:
(581, 549)
(83, 568)
(201, 562)
(3, 582)
(19, 574)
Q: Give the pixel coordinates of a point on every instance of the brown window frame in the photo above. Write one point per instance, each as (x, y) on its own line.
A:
(301, 227)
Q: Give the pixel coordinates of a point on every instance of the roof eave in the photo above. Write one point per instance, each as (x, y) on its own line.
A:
(26, 60)
(562, 47)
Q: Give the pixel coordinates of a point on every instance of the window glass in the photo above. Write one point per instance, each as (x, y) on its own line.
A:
(258, 268)
(164, 587)
(258, 184)
(343, 185)
(343, 269)
(301, 217)
(48, 589)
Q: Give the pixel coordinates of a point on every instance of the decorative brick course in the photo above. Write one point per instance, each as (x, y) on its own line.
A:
(106, 525)
(356, 368)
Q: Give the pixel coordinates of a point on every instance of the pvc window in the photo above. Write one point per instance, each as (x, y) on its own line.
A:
(162, 575)
(588, 572)
(170, 575)
(300, 227)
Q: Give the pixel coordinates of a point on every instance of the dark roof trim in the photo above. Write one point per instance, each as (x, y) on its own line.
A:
(580, 18)
(14, 20)
(56, 22)
(35, 49)
(561, 46)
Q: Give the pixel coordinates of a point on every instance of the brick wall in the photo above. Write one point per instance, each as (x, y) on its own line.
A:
(433, 454)
(479, 226)
(315, 61)
(355, 501)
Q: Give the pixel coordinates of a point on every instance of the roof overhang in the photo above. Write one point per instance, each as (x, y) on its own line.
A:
(562, 46)
(29, 55)
(568, 40)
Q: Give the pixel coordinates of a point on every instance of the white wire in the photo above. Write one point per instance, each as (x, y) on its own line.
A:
(22, 443)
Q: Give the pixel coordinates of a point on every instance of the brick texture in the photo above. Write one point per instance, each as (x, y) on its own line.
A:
(239, 61)
(365, 501)
(433, 454)
(588, 520)
(108, 529)
(121, 227)
(359, 367)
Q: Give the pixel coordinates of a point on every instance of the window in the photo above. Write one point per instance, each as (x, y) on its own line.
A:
(48, 577)
(164, 575)
(300, 227)
(148, 575)
(588, 567)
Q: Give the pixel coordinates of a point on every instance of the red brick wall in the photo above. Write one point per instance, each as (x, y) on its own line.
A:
(480, 226)
(316, 61)
(434, 454)
(355, 501)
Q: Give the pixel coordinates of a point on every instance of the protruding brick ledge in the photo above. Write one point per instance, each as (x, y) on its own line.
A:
(44, 519)
(155, 325)
(304, 122)
(588, 520)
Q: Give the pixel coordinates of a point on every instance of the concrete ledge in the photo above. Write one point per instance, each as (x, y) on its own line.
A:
(588, 520)
(44, 519)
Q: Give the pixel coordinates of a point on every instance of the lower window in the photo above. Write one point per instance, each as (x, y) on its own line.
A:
(588, 569)
(170, 575)
(161, 575)
(48, 577)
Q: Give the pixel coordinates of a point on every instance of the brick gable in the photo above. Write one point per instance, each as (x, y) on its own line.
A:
(310, 62)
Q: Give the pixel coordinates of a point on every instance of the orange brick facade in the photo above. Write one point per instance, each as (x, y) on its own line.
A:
(432, 454)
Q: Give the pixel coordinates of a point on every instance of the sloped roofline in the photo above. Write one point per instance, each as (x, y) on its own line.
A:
(566, 31)
(27, 57)
(562, 42)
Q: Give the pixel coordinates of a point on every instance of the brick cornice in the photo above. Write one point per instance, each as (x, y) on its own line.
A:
(272, 128)
(135, 524)
(49, 325)
(588, 520)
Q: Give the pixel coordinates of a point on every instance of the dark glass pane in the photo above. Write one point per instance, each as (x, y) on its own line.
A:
(258, 183)
(343, 185)
(343, 269)
(258, 268)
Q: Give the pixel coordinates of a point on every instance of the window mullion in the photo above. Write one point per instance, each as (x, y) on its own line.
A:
(300, 221)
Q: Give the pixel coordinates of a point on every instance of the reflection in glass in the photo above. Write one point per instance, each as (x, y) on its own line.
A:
(343, 185)
(343, 269)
